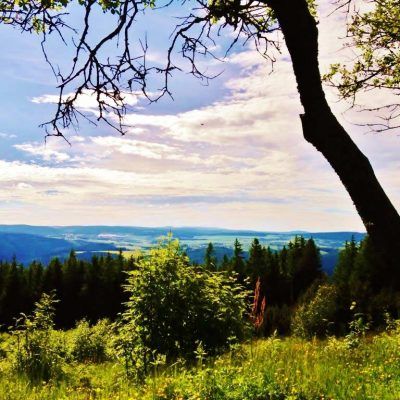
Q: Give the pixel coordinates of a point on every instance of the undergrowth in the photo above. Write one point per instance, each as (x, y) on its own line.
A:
(274, 368)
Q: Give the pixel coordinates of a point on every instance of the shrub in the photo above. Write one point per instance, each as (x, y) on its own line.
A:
(90, 343)
(174, 306)
(39, 352)
(315, 317)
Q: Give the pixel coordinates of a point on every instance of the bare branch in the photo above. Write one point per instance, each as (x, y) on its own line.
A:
(108, 80)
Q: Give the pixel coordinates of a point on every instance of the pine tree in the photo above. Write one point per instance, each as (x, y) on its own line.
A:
(345, 266)
(308, 266)
(13, 296)
(72, 286)
(92, 287)
(368, 276)
(272, 278)
(255, 266)
(226, 263)
(210, 260)
(35, 281)
(53, 278)
(237, 263)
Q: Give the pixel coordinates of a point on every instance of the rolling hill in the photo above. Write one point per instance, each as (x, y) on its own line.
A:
(41, 243)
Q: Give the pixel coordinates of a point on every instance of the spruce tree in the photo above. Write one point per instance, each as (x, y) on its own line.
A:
(237, 263)
(35, 281)
(210, 260)
(255, 266)
(345, 266)
(12, 296)
(226, 263)
(308, 266)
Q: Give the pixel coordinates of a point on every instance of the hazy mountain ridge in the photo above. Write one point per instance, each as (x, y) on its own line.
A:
(28, 247)
(41, 243)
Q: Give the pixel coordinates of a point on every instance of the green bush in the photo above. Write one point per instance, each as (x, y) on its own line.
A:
(173, 307)
(90, 343)
(39, 352)
(316, 317)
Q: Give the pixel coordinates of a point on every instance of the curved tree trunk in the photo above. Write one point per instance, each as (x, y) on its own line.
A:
(321, 129)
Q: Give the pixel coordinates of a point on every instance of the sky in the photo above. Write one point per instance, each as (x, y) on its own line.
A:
(229, 154)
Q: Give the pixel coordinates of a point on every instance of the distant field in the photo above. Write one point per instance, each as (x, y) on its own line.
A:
(42, 243)
(126, 253)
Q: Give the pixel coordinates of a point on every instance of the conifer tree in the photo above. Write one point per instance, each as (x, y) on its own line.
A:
(367, 278)
(272, 278)
(308, 266)
(237, 263)
(53, 278)
(72, 286)
(226, 263)
(345, 266)
(255, 266)
(35, 281)
(92, 286)
(12, 295)
(210, 260)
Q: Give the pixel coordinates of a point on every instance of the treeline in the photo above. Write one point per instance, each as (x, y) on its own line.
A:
(293, 294)
(84, 289)
(362, 277)
(94, 289)
(288, 285)
(283, 277)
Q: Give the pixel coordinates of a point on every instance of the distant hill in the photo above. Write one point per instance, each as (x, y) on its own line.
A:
(42, 243)
(27, 247)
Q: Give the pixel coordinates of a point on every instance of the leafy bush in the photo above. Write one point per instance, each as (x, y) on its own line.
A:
(358, 327)
(39, 352)
(90, 343)
(173, 307)
(315, 317)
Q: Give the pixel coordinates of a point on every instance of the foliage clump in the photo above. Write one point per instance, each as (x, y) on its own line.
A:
(361, 276)
(90, 343)
(316, 317)
(39, 352)
(174, 307)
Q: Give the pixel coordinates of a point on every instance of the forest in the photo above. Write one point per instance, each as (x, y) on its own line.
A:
(288, 279)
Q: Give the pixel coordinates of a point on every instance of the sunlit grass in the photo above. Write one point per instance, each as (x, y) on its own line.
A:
(273, 368)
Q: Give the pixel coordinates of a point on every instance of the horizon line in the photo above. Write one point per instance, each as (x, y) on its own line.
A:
(186, 227)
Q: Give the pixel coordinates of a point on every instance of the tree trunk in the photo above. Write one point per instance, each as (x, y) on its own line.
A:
(321, 129)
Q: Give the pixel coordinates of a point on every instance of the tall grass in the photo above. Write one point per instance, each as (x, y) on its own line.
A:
(292, 369)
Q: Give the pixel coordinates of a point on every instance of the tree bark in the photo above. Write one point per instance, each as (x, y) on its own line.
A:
(321, 129)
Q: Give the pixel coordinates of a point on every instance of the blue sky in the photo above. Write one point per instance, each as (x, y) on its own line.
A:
(230, 154)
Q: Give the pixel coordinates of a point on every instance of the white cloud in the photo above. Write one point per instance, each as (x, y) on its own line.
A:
(134, 147)
(240, 161)
(4, 135)
(136, 198)
(87, 101)
(24, 186)
(43, 152)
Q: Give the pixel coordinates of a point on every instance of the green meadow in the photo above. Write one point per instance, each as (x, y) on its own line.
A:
(270, 368)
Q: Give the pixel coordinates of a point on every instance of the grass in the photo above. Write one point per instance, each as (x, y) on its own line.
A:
(267, 369)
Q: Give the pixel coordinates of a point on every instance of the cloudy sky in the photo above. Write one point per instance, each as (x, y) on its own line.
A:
(230, 154)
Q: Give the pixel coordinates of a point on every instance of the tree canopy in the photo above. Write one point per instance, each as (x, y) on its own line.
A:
(374, 36)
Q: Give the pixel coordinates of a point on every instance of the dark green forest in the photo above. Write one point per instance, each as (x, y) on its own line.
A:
(282, 285)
